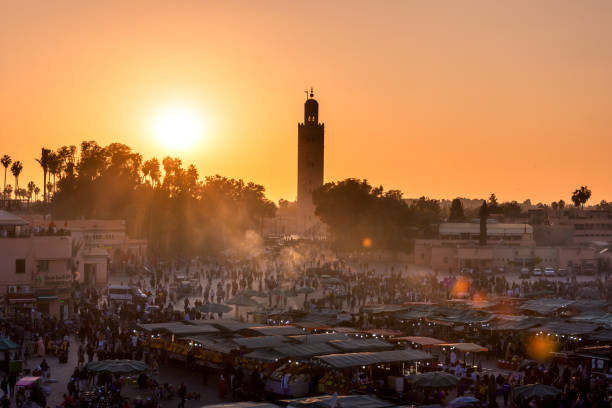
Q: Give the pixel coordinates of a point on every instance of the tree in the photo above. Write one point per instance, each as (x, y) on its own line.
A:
(16, 169)
(581, 196)
(31, 188)
(493, 206)
(54, 167)
(36, 192)
(8, 190)
(6, 161)
(511, 209)
(456, 211)
(355, 211)
(604, 205)
(44, 163)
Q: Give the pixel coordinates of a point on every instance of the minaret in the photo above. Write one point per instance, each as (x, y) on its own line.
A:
(310, 160)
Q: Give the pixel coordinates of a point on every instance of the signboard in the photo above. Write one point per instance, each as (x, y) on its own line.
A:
(54, 280)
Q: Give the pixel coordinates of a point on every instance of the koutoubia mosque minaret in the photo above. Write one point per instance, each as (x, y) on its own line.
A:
(311, 148)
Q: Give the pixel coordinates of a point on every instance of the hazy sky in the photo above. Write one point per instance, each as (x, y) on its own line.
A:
(436, 98)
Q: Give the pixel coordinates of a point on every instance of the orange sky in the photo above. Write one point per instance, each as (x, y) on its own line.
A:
(443, 99)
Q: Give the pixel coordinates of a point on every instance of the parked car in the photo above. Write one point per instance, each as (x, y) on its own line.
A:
(524, 274)
(562, 272)
(549, 271)
(536, 272)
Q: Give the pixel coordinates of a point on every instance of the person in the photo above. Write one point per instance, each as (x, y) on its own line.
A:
(182, 392)
(44, 367)
(222, 387)
(4, 386)
(12, 380)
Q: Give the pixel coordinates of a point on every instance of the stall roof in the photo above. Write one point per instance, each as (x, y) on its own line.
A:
(354, 345)
(220, 346)
(567, 328)
(187, 330)
(341, 401)
(368, 358)
(603, 335)
(593, 317)
(264, 355)
(545, 306)
(252, 343)
(155, 327)
(413, 314)
(378, 309)
(383, 332)
(515, 325)
(345, 330)
(319, 338)
(277, 330)
(466, 347)
(243, 404)
(306, 350)
(304, 324)
(423, 341)
(231, 325)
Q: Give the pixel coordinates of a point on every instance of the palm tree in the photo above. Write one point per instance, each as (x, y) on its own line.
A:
(7, 191)
(6, 161)
(44, 163)
(31, 188)
(49, 188)
(581, 196)
(16, 169)
(36, 192)
(54, 166)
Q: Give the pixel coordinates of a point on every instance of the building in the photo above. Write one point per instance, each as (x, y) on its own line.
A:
(101, 244)
(510, 246)
(35, 267)
(311, 148)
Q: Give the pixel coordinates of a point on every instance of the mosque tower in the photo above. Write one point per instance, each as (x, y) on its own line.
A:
(310, 161)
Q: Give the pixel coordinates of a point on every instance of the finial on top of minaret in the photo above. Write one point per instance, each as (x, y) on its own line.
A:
(311, 92)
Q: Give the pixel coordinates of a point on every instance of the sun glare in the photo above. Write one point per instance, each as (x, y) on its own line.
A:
(177, 127)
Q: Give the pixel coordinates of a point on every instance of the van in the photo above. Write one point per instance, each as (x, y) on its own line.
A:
(127, 294)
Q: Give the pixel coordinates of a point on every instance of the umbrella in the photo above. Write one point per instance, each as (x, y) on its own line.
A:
(117, 366)
(535, 391)
(214, 308)
(435, 379)
(290, 292)
(254, 293)
(6, 344)
(305, 290)
(588, 293)
(277, 291)
(460, 402)
(241, 300)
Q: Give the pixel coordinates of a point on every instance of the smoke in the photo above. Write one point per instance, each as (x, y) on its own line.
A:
(249, 246)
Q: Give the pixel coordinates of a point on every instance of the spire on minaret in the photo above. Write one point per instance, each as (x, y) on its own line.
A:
(311, 92)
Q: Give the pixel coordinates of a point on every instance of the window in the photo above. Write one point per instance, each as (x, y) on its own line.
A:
(20, 266)
(43, 266)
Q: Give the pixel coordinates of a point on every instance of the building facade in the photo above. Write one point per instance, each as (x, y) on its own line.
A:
(35, 267)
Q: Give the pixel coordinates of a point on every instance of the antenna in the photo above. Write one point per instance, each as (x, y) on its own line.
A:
(306, 92)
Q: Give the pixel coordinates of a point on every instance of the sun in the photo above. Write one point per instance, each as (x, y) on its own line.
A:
(177, 127)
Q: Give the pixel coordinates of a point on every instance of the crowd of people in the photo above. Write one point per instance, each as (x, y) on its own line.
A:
(104, 330)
